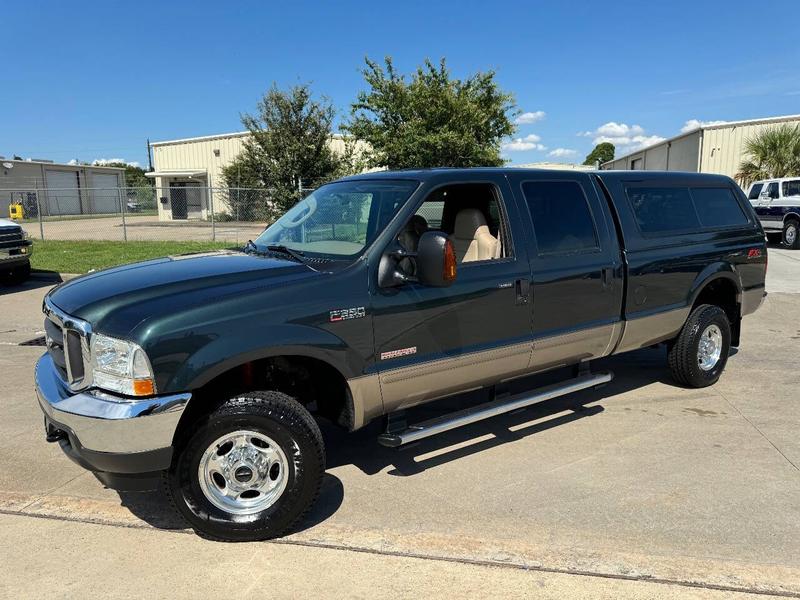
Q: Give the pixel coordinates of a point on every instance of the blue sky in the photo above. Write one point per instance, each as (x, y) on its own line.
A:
(94, 80)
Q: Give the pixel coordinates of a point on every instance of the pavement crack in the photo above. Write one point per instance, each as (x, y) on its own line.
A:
(764, 435)
(692, 584)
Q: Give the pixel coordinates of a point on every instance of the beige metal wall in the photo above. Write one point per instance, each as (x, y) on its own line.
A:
(198, 154)
(678, 154)
(723, 147)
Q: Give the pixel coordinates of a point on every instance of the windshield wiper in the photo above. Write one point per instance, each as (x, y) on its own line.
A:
(295, 254)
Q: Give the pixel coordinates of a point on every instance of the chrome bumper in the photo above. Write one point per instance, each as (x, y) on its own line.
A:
(16, 254)
(105, 423)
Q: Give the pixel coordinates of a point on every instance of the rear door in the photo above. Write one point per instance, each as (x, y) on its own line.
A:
(576, 267)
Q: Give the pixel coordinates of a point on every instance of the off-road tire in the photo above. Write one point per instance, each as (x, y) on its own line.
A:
(791, 234)
(683, 351)
(275, 415)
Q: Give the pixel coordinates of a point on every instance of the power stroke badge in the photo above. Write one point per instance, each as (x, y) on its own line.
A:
(345, 314)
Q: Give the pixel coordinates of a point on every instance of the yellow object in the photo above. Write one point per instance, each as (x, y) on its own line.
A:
(15, 211)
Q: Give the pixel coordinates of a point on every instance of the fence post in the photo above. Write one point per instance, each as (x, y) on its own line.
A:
(39, 211)
(122, 205)
(213, 222)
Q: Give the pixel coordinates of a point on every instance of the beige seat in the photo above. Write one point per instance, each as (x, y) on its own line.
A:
(471, 237)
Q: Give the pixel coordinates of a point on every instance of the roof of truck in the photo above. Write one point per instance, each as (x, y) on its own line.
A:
(425, 174)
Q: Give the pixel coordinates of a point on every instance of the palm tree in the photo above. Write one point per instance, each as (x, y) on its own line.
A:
(773, 152)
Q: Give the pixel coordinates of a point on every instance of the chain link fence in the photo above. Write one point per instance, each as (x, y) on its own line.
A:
(184, 211)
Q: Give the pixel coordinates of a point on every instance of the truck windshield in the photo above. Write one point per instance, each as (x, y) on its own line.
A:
(338, 219)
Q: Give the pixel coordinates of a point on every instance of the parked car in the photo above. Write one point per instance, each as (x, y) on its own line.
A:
(208, 370)
(16, 248)
(777, 204)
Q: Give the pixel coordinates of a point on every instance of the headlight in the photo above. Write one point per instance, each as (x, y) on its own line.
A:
(120, 366)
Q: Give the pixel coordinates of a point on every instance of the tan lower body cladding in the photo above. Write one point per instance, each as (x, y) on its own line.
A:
(395, 389)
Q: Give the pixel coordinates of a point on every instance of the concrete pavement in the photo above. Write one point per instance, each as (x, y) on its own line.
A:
(640, 489)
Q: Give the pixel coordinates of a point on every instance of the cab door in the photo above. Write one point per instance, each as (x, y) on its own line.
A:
(576, 266)
(431, 342)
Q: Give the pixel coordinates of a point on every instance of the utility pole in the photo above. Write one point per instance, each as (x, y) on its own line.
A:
(149, 156)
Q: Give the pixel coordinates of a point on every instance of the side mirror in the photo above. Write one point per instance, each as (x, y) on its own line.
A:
(435, 260)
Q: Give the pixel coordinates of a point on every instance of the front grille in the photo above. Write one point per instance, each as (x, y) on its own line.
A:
(10, 237)
(67, 341)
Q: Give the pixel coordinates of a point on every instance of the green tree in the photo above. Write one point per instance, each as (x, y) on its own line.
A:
(773, 152)
(431, 119)
(134, 175)
(602, 153)
(289, 147)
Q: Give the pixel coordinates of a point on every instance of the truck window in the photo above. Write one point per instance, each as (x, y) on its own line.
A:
(470, 214)
(663, 210)
(791, 187)
(717, 207)
(339, 219)
(755, 191)
(561, 217)
(772, 190)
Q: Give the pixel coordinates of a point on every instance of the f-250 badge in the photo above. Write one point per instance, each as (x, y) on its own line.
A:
(345, 314)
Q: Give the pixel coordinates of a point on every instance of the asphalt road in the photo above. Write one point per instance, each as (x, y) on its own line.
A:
(641, 489)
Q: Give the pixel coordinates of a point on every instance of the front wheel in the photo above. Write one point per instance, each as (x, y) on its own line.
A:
(250, 470)
(791, 234)
(698, 355)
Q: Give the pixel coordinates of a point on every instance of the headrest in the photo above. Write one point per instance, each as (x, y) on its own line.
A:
(468, 221)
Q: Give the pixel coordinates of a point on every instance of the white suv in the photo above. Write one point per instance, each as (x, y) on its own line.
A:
(777, 204)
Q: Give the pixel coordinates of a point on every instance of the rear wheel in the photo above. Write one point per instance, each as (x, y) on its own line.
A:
(791, 234)
(698, 355)
(250, 470)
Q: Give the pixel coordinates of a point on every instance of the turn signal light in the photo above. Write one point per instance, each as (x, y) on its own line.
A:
(449, 273)
(143, 387)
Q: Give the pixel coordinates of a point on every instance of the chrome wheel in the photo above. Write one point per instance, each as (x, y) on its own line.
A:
(791, 235)
(709, 348)
(243, 472)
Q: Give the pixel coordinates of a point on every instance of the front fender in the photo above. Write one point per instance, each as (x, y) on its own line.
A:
(210, 356)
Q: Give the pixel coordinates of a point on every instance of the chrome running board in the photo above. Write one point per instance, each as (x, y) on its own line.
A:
(491, 409)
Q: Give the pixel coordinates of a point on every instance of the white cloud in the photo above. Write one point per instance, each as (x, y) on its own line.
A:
(529, 142)
(527, 118)
(626, 138)
(562, 152)
(73, 161)
(697, 124)
(101, 162)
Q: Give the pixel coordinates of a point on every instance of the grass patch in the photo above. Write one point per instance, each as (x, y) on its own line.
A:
(83, 256)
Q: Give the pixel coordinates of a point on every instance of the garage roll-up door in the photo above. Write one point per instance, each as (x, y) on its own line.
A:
(63, 195)
(104, 193)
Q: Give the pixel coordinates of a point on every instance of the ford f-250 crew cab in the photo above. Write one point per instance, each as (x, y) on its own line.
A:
(374, 294)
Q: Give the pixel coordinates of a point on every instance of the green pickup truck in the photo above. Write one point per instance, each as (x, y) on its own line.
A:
(377, 293)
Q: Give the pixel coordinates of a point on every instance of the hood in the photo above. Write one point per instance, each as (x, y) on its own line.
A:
(8, 223)
(117, 300)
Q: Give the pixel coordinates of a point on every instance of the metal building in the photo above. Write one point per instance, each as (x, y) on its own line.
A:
(708, 149)
(186, 170)
(59, 189)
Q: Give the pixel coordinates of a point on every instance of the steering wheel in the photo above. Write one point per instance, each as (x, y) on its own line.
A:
(311, 208)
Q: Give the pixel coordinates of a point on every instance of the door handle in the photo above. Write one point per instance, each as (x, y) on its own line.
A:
(523, 287)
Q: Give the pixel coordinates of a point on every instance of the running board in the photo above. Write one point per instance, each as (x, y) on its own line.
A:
(491, 409)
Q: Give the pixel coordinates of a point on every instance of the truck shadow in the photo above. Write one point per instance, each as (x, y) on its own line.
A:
(153, 508)
(361, 449)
